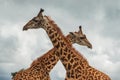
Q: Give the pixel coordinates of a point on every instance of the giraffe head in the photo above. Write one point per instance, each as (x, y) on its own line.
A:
(80, 38)
(36, 22)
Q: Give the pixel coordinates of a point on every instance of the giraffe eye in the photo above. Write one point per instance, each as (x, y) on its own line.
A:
(82, 37)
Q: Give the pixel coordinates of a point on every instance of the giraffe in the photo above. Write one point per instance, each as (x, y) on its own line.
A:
(76, 66)
(49, 59)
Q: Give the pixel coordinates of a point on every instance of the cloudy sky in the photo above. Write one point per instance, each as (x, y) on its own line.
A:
(100, 20)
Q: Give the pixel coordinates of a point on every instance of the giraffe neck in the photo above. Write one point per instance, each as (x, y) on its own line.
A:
(67, 54)
(54, 33)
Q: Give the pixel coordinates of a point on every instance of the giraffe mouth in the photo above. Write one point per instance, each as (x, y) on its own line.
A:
(24, 28)
(90, 47)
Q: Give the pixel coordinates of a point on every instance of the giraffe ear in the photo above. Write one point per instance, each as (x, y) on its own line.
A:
(40, 13)
(80, 30)
(72, 34)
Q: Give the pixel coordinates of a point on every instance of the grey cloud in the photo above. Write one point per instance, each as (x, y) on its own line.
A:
(8, 46)
(14, 10)
(4, 78)
(112, 21)
(4, 75)
(113, 13)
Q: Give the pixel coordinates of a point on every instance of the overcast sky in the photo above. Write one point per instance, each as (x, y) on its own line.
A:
(100, 20)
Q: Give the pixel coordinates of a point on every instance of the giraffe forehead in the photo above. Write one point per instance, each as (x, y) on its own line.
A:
(46, 20)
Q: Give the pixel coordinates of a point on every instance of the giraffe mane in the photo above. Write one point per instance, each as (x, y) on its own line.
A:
(69, 45)
(58, 29)
(39, 58)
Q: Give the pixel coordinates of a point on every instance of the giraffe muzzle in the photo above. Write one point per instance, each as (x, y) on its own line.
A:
(90, 46)
(24, 28)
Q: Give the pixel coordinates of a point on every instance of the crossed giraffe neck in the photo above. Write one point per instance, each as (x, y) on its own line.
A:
(77, 67)
(50, 59)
